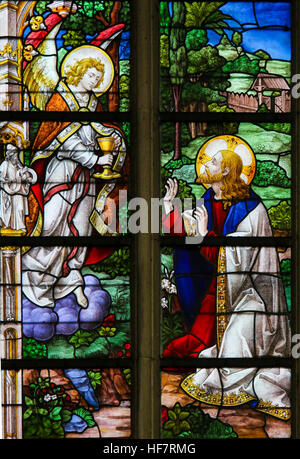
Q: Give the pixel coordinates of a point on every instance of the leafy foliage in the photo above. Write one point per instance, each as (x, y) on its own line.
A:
(207, 59)
(177, 422)
(206, 15)
(280, 216)
(237, 38)
(192, 422)
(269, 173)
(196, 39)
(178, 163)
(33, 349)
(242, 64)
(165, 18)
(285, 267)
(82, 338)
(127, 374)
(46, 410)
(284, 128)
(262, 54)
(164, 51)
(95, 379)
(74, 38)
(118, 264)
(172, 327)
(167, 132)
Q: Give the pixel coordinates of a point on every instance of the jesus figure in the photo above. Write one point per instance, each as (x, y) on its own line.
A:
(232, 298)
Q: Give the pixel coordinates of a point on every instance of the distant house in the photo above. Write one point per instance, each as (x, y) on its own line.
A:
(280, 102)
(272, 82)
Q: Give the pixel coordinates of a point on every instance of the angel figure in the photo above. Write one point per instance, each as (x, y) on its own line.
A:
(66, 155)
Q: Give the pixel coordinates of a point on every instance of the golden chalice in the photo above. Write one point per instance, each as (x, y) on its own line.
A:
(106, 145)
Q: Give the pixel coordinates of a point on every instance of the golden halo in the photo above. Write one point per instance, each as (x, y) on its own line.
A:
(85, 51)
(232, 143)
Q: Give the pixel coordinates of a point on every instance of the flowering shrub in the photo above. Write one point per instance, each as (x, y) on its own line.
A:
(169, 289)
(125, 351)
(191, 422)
(47, 410)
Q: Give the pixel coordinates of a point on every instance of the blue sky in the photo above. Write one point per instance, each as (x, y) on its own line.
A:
(276, 42)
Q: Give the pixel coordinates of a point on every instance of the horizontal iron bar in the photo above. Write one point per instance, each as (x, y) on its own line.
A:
(255, 362)
(22, 364)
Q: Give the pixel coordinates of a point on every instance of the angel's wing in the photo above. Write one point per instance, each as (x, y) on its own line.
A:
(40, 76)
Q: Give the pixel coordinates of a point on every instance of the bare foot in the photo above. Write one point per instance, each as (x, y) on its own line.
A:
(81, 298)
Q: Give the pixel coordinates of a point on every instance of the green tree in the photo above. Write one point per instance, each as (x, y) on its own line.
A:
(206, 15)
(237, 38)
(196, 39)
(242, 64)
(262, 54)
(207, 59)
(165, 19)
(178, 64)
(270, 174)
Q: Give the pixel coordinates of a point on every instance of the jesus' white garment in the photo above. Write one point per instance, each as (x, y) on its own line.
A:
(254, 324)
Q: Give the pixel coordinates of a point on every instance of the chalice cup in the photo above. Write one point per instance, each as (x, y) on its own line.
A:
(106, 145)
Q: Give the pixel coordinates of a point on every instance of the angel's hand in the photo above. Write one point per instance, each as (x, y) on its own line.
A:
(118, 142)
(105, 160)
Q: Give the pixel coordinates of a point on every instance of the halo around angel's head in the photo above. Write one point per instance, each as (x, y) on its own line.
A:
(231, 143)
(89, 51)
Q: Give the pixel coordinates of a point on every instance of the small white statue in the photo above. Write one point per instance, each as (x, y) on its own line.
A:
(15, 182)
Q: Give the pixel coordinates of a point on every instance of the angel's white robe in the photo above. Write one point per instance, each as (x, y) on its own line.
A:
(257, 327)
(43, 277)
(42, 266)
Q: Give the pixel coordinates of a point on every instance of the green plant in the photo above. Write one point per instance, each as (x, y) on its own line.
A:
(269, 173)
(32, 349)
(95, 378)
(178, 163)
(192, 422)
(172, 327)
(118, 264)
(82, 338)
(127, 374)
(280, 216)
(46, 410)
(107, 331)
(177, 422)
(121, 304)
(85, 415)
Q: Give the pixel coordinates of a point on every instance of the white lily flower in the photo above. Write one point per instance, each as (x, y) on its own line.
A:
(164, 303)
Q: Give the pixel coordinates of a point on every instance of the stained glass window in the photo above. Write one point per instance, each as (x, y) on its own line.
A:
(102, 101)
(226, 184)
(66, 297)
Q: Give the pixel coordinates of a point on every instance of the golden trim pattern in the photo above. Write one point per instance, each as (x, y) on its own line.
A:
(221, 300)
(283, 413)
(219, 399)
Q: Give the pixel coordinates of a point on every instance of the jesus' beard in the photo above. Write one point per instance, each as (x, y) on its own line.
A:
(209, 179)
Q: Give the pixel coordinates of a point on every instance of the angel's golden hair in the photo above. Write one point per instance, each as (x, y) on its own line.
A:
(76, 72)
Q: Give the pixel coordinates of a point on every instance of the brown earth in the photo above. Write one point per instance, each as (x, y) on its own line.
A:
(245, 421)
